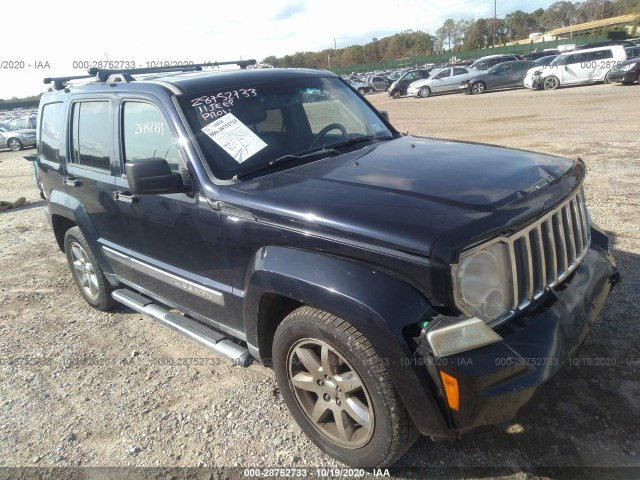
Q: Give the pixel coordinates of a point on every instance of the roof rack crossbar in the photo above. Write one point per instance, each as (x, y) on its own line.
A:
(103, 74)
(60, 82)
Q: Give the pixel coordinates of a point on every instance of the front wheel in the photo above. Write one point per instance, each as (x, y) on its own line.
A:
(551, 83)
(478, 88)
(606, 78)
(424, 92)
(396, 94)
(339, 391)
(15, 144)
(86, 272)
(361, 91)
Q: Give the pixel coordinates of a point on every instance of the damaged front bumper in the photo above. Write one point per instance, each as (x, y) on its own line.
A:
(492, 383)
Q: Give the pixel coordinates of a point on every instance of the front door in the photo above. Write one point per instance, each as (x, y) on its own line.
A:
(174, 242)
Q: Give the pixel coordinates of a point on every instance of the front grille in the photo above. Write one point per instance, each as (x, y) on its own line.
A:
(547, 251)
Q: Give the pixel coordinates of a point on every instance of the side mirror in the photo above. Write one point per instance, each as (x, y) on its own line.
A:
(152, 176)
(31, 158)
(385, 114)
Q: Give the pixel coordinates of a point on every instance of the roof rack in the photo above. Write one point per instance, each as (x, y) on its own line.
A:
(60, 82)
(126, 75)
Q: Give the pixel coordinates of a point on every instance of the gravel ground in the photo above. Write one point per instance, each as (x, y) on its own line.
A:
(80, 387)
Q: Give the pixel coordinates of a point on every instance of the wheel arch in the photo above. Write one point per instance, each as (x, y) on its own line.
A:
(378, 305)
(66, 212)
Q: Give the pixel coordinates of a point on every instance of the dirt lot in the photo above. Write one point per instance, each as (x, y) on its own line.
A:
(84, 388)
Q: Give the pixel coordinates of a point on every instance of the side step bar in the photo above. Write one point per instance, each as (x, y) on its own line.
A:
(208, 337)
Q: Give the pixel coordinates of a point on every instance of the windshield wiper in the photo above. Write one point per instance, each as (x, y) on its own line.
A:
(287, 158)
(355, 140)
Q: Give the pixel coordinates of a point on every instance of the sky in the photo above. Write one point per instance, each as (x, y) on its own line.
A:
(59, 38)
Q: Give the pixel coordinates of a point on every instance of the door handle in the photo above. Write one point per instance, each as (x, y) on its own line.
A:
(71, 182)
(126, 197)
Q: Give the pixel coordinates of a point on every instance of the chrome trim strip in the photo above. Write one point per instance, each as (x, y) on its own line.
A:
(166, 277)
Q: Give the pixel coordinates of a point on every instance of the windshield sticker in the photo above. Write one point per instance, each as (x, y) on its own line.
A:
(234, 137)
(378, 127)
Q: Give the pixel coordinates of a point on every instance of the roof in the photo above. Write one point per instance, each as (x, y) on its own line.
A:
(180, 82)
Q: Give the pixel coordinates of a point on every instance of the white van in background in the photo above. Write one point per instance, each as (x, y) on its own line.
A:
(573, 68)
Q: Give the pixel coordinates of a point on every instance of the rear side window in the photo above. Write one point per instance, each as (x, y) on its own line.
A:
(601, 55)
(51, 125)
(92, 134)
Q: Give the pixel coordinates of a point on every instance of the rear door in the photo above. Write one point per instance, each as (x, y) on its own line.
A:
(601, 61)
(89, 178)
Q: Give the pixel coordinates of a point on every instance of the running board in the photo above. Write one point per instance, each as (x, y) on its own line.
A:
(196, 331)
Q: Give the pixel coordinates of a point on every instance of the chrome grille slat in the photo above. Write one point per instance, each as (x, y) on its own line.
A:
(546, 252)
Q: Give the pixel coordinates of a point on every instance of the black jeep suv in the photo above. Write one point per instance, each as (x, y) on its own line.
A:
(398, 285)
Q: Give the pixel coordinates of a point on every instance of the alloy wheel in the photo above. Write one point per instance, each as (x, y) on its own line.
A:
(330, 393)
(84, 270)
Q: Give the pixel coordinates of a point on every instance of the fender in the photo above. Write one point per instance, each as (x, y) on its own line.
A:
(66, 206)
(378, 305)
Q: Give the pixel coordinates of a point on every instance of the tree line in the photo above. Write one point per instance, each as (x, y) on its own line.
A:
(462, 34)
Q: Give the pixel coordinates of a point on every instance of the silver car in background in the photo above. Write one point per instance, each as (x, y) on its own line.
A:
(442, 81)
(17, 139)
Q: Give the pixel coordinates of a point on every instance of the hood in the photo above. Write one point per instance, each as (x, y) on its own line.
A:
(404, 193)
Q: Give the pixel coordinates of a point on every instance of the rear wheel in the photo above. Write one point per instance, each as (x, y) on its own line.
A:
(14, 144)
(424, 92)
(361, 91)
(551, 83)
(478, 88)
(86, 272)
(338, 390)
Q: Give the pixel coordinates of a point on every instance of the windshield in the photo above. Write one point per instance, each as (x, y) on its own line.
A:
(559, 60)
(244, 127)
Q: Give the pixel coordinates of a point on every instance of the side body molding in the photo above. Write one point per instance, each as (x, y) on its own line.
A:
(377, 304)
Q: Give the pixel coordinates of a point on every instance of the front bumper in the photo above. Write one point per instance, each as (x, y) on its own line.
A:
(496, 381)
(624, 77)
(533, 81)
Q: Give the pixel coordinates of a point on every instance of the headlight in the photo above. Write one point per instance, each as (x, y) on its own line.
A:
(625, 68)
(482, 280)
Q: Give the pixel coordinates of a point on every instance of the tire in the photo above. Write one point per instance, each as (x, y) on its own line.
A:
(551, 83)
(370, 90)
(86, 272)
(478, 88)
(424, 92)
(361, 91)
(638, 79)
(606, 78)
(315, 356)
(15, 144)
(396, 94)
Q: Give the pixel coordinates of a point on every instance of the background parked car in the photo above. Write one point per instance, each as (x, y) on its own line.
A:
(484, 63)
(17, 139)
(399, 87)
(536, 55)
(576, 67)
(360, 87)
(606, 43)
(542, 61)
(626, 72)
(442, 81)
(632, 52)
(503, 75)
(378, 83)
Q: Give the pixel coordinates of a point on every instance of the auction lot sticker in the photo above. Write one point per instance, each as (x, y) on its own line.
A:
(234, 137)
